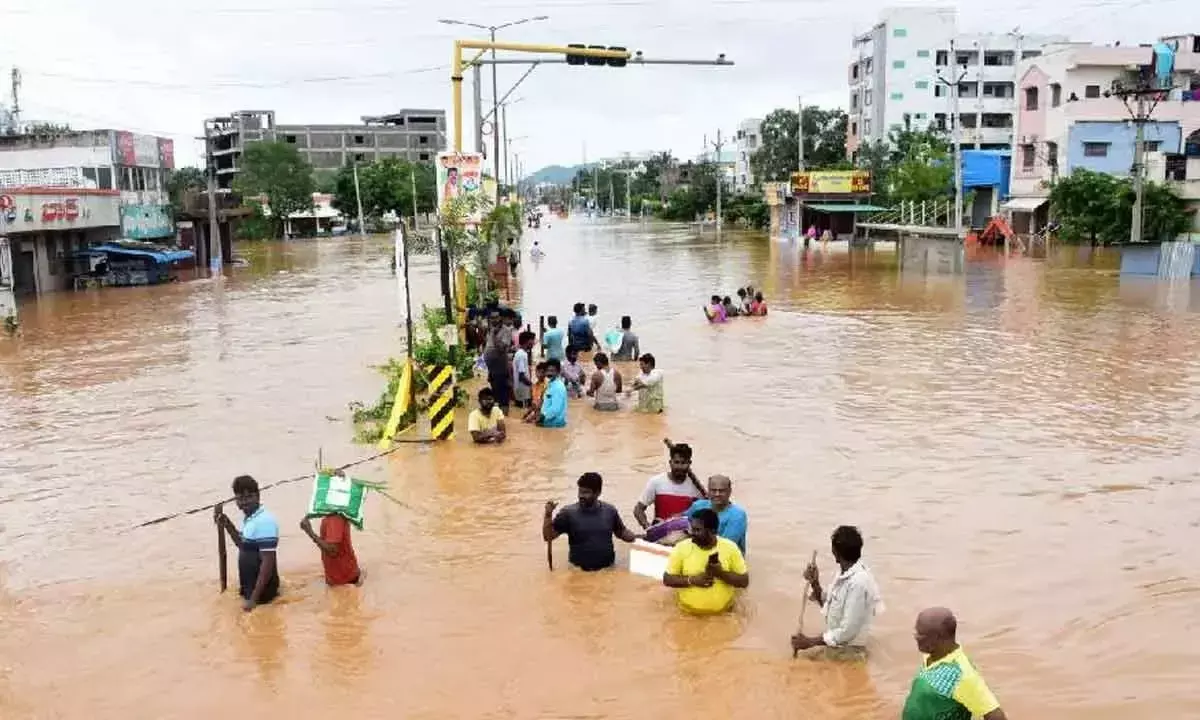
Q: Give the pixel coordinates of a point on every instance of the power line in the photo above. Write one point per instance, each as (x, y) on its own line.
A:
(237, 83)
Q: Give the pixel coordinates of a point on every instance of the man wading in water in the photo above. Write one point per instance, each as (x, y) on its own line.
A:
(258, 576)
(849, 606)
(947, 687)
(672, 492)
(590, 525)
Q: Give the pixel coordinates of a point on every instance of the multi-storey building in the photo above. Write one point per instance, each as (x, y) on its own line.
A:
(414, 135)
(904, 66)
(1070, 119)
(64, 192)
(749, 139)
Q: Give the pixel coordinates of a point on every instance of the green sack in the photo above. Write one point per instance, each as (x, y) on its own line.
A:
(338, 495)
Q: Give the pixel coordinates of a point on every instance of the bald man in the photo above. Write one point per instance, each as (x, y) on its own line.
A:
(947, 687)
(733, 520)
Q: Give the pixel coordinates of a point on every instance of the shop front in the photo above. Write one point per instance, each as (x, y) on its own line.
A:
(45, 227)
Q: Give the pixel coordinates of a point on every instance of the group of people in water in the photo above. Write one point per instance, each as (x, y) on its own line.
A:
(540, 389)
(749, 303)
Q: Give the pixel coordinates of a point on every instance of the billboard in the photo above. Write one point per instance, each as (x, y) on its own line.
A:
(146, 222)
(166, 153)
(140, 150)
(459, 174)
(832, 182)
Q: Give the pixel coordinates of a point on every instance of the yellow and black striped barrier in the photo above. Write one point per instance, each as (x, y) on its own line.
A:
(441, 403)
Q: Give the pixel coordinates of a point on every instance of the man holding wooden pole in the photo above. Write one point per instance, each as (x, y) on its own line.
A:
(257, 542)
(849, 606)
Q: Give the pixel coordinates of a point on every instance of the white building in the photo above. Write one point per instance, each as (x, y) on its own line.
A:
(894, 78)
(1068, 120)
(749, 138)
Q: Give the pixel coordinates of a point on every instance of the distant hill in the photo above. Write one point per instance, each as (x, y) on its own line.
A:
(555, 174)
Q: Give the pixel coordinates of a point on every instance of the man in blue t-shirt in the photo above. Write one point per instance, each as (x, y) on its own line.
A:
(579, 331)
(553, 347)
(258, 575)
(733, 520)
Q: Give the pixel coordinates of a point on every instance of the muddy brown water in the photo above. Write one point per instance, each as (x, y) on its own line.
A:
(1017, 442)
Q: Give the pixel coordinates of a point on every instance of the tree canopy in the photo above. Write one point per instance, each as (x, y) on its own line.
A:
(276, 172)
(1097, 208)
(386, 186)
(824, 143)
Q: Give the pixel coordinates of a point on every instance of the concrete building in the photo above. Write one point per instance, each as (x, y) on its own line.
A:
(63, 192)
(749, 139)
(1068, 120)
(894, 77)
(414, 135)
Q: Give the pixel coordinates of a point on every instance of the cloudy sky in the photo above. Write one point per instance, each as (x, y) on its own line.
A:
(162, 66)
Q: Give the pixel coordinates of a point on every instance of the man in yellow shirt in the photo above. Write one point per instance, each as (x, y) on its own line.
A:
(486, 424)
(706, 569)
(947, 687)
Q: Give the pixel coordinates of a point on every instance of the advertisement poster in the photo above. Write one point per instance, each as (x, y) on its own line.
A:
(459, 174)
(832, 182)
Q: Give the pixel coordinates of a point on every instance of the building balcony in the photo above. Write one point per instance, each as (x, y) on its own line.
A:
(1180, 172)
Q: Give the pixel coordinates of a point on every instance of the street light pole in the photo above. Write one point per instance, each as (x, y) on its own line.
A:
(952, 86)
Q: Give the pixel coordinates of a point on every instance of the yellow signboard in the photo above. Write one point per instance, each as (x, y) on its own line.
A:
(832, 182)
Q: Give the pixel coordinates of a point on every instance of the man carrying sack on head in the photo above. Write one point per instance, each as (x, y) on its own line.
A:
(338, 501)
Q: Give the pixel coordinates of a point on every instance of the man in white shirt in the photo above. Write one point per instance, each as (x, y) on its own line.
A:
(849, 606)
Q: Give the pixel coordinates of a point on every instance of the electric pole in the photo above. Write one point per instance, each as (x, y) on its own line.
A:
(16, 100)
(504, 128)
(952, 86)
(1140, 99)
(362, 229)
(213, 252)
(720, 181)
(800, 133)
(612, 197)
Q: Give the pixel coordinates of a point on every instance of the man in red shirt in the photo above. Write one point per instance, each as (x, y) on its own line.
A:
(337, 554)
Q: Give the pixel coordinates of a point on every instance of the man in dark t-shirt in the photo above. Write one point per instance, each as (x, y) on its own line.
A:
(589, 525)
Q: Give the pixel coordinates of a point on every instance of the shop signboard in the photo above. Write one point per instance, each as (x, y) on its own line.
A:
(832, 182)
(34, 210)
(135, 150)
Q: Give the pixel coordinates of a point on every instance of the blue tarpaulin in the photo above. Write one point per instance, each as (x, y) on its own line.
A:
(160, 256)
(987, 168)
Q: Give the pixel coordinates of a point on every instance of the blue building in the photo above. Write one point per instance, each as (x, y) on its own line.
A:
(1107, 146)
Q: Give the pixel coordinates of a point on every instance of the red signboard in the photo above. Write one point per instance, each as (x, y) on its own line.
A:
(166, 154)
(125, 149)
(63, 210)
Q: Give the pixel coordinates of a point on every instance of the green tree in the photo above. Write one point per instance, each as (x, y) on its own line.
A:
(275, 173)
(386, 186)
(1097, 208)
(824, 142)
(182, 181)
(922, 166)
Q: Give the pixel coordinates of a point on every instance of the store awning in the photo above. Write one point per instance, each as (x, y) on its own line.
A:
(161, 255)
(1024, 204)
(844, 208)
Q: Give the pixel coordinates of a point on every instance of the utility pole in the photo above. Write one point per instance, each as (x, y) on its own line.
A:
(1140, 98)
(720, 182)
(628, 204)
(800, 133)
(412, 179)
(477, 99)
(504, 127)
(362, 229)
(495, 119)
(952, 86)
(16, 99)
(596, 187)
(612, 197)
(213, 252)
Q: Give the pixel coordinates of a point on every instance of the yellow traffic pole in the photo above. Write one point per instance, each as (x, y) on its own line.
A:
(456, 78)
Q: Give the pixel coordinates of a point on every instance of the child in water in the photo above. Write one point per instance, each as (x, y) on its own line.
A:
(760, 306)
(731, 310)
(715, 310)
(539, 390)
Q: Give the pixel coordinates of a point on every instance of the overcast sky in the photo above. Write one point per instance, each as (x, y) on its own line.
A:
(162, 66)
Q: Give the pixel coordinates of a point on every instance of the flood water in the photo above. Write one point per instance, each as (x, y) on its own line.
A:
(1017, 442)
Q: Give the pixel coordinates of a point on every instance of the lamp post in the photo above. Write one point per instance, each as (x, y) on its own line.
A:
(492, 29)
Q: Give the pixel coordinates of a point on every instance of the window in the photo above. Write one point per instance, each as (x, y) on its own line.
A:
(943, 58)
(922, 85)
(866, 126)
(897, 64)
(854, 71)
(922, 53)
(998, 90)
(897, 96)
(1052, 154)
(1031, 98)
(996, 120)
(1095, 149)
(424, 157)
(1031, 54)
(899, 32)
(854, 101)
(1055, 95)
(290, 139)
(968, 120)
(359, 139)
(360, 157)
(868, 65)
(997, 59)
(968, 90)
(854, 129)
(1091, 91)
(104, 178)
(423, 140)
(939, 90)
(1196, 44)
(920, 116)
(90, 174)
(966, 58)
(867, 98)
(1152, 145)
(939, 121)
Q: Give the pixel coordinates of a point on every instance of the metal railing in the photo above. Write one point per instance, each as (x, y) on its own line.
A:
(927, 213)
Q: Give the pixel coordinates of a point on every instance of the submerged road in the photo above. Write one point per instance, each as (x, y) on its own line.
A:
(1018, 442)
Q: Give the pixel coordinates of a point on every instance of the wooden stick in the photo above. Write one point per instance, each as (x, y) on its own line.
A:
(550, 556)
(222, 558)
(804, 603)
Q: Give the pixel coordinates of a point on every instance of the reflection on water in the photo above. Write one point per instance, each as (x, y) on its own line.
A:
(1016, 439)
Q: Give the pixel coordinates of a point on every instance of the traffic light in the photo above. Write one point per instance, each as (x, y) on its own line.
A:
(573, 59)
(576, 59)
(596, 60)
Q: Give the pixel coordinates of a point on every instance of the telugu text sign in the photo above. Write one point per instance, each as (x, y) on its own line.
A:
(832, 182)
